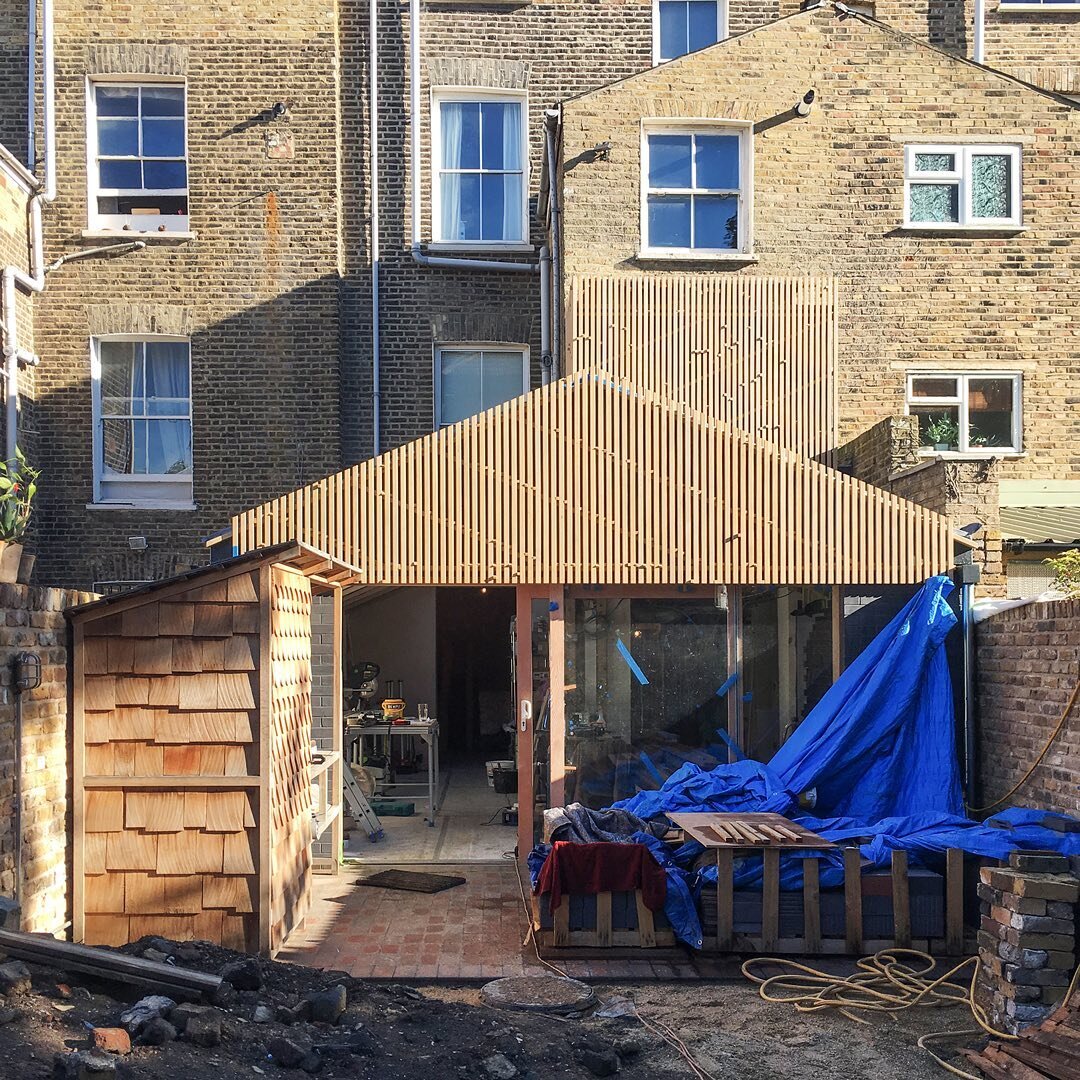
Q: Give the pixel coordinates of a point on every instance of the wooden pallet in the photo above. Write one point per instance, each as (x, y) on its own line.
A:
(602, 936)
(1051, 1050)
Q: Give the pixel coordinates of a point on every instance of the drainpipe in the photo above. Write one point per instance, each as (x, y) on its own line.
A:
(373, 139)
(978, 52)
(31, 86)
(545, 316)
(414, 112)
(551, 129)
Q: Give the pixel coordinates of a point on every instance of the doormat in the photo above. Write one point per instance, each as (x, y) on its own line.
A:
(411, 881)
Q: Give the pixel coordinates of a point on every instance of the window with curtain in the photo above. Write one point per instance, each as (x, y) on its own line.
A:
(470, 379)
(966, 413)
(142, 406)
(961, 186)
(684, 26)
(696, 192)
(480, 185)
(138, 179)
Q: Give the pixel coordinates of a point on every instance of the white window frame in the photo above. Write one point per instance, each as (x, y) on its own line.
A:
(475, 94)
(961, 176)
(960, 403)
(1028, 5)
(721, 30)
(473, 346)
(147, 490)
(152, 223)
(745, 130)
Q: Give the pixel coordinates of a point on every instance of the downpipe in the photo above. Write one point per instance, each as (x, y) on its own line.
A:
(551, 129)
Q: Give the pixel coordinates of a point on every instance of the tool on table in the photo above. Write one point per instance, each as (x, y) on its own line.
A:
(393, 708)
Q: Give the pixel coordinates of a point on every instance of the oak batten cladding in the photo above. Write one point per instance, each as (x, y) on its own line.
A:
(758, 353)
(586, 481)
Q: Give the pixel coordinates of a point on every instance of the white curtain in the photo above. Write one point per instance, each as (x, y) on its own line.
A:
(512, 184)
(450, 115)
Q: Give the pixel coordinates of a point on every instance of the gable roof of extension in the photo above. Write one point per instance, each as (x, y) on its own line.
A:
(806, 14)
(586, 481)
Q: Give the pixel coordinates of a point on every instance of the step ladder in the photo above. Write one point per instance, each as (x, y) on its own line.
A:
(361, 809)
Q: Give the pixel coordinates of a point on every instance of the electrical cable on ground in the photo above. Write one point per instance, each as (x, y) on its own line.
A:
(1038, 761)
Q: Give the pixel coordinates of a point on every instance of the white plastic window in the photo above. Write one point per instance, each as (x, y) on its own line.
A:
(967, 413)
(684, 26)
(961, 186)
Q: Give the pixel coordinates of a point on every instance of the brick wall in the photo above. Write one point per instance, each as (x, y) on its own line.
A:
(882, 450)
(1028, 663)
(32, 619)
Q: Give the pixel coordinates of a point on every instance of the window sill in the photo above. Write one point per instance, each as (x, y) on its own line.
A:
(696, 256)
(148, 504)
(961, 230)
(444, 247)
(1028, 8)
(132, 234)
(973, 455)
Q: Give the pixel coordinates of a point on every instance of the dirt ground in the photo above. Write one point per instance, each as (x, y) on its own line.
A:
(397, 1032)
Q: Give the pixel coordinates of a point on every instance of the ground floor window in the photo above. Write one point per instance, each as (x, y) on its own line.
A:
(966, 413)
(472, 378)
(142, 420)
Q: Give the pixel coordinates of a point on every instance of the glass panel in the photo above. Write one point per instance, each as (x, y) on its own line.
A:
(120, 376)
(167, 369)
(459, 387)
(460, 134)
(641, 693)
(163, 138)
(461, 206)
(673, 29)
(120, 174)
(935, 163)
(165, 175)
(935, 202)
(990, 412)
(118, 445)
(716, 221)
(669, 161)
(118, 137)
(990, 194)
(116, 100)
(935, 387)
(168, 447)
(502, 377)
(717, 160)
(501, 197)
(939, 426)
(501, 135)
(761, 692)
(163, 101)
(669, 221)
(702, 30)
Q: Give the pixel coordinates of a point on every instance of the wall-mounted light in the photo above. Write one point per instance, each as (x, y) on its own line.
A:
(803, 107)
(280, 110)
(137, 543)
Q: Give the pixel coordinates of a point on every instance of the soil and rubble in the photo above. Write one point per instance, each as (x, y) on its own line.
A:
(283, 1020)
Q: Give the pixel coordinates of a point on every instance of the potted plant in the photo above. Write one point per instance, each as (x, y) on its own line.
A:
(942, 432)
(18, 486)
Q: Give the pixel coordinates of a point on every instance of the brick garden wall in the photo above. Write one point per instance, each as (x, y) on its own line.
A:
(1028, 663)
(32, 619)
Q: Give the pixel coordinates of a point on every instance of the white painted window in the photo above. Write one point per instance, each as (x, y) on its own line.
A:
(697, 190)
(137, 156)
(472, 378)
(1039, 5)
(684, 26)
(966, 187)
(142, 420)
(480, 186)
(967, 412)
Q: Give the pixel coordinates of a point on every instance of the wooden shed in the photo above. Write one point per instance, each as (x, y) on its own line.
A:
(192, 753)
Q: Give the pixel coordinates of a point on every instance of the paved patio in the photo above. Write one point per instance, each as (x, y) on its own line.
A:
(471, 932)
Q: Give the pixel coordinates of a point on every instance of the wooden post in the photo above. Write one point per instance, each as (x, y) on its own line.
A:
(524, 720)
(770, 898)
(811, 905)
(337, 712)
(901, 900)
(725, 899)
(263, 818)
(837, 606)
(853, 899)
(954, 902)
(735, 721)
(78, 794)
(603, 919)
(557, 682)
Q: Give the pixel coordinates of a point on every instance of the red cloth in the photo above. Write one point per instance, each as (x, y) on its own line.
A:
(595, 868)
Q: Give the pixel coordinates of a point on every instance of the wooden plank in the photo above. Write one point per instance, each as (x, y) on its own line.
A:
(154, 811)
(121, 655)
(132, 690)
(152, 656)
(235, 762)
(853, 922)
(241, 589)
(560, 919)
(183, 894)
(226, 811)
(141, 621)
(183, 760)
(104, 894)
(190, 852)
(144, 893)
(105, 930)
(240, 652)
(164, 690)
(236, 893)
(235, 691)
(238, 856)
(94, 853)
(213, 620)
(603, 919)
(213, 653)
(99, 693)
(725, 899)
(954, 901)
(194, 809)
(811, 905)
(198, 692)
(130, 850)
(104, 811)
(176, 619)
(175, 783)
(901, 900)
(96, 656)
(770, 898)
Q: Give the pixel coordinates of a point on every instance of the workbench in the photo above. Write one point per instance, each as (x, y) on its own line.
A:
(425, 730)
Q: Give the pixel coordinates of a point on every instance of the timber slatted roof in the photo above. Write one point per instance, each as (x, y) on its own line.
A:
(586, 481)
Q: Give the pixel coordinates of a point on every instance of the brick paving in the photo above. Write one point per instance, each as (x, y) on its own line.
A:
(472, 932)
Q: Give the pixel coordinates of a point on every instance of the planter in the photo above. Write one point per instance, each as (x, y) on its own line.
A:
(10, 555)
(26, 567)
(942, 446)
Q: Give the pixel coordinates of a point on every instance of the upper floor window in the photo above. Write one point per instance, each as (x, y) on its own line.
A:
(137, 146)
(697, 191)
(684, 26)
(480, 192)
(1040, 5)
(966, 187)
(142, 420)
(966, 413)
(472, 378)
